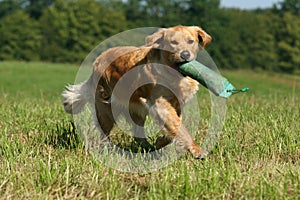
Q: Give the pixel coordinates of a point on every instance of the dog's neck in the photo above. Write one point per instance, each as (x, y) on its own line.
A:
(162, 58)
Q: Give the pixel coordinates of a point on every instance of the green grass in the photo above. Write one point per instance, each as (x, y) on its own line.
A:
(42, 156)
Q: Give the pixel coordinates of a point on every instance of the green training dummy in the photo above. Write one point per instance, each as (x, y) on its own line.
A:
(213, 81)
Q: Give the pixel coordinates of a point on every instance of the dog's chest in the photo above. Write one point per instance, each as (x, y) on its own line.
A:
(188, 87)
(182, 89)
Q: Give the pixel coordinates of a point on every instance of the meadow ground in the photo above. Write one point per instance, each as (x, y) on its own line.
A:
(42, 156)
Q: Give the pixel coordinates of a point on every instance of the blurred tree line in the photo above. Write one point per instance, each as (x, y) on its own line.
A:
(67, 30)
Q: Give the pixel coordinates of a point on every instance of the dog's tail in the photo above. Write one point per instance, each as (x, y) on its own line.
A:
(76, 96)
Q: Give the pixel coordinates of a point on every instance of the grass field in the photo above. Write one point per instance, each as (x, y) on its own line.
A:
(42, 156)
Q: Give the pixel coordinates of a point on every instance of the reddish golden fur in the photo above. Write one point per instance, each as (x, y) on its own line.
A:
(168, 47)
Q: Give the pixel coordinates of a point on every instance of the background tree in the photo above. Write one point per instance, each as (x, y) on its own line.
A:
(70, 32)
(36, 7)
(292, 6)
(10, 6)
(288, 43)
(262, 44)
(20, 37)
(66, 31)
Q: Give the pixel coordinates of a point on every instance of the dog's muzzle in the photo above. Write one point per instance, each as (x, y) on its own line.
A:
(185, 55)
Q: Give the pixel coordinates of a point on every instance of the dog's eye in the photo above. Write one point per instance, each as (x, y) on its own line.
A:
(191, 41)
(174, 42)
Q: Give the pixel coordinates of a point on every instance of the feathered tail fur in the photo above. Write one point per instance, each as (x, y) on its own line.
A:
(76, 96)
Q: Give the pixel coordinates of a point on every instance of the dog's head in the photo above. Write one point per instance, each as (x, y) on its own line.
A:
(179, 44)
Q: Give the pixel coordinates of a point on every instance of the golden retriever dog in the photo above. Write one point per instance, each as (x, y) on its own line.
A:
(157, 60)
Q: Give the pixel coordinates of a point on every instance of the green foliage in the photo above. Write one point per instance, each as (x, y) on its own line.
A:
(289, 43)
(262, 45)
(9, 6)
(36, 7)
(66, 31)
(70, 31)
(292, 6)
(20, 37)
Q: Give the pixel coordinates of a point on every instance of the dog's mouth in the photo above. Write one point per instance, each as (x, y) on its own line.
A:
(177, 61)
(174, 69)
(183, 62)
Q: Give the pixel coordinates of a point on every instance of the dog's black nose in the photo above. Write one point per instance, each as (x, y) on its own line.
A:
(185, 55)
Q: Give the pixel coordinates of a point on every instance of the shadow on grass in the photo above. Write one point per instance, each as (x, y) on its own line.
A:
(64, 136)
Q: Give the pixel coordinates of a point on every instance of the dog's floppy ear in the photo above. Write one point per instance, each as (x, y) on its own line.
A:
(204, 38)
(156, 38)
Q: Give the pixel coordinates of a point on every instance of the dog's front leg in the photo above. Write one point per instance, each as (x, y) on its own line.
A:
(174, 130)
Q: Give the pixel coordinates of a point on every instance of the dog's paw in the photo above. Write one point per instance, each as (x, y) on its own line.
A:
(144, 144)
(162, 142)
(197, 152)
(201, 154)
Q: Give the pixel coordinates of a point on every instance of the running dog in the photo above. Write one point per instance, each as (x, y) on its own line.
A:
(168, 47)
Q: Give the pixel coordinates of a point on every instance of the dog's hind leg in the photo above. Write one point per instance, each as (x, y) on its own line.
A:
(138, 113)
(139, 131)
(105, 119)
(162, 142)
